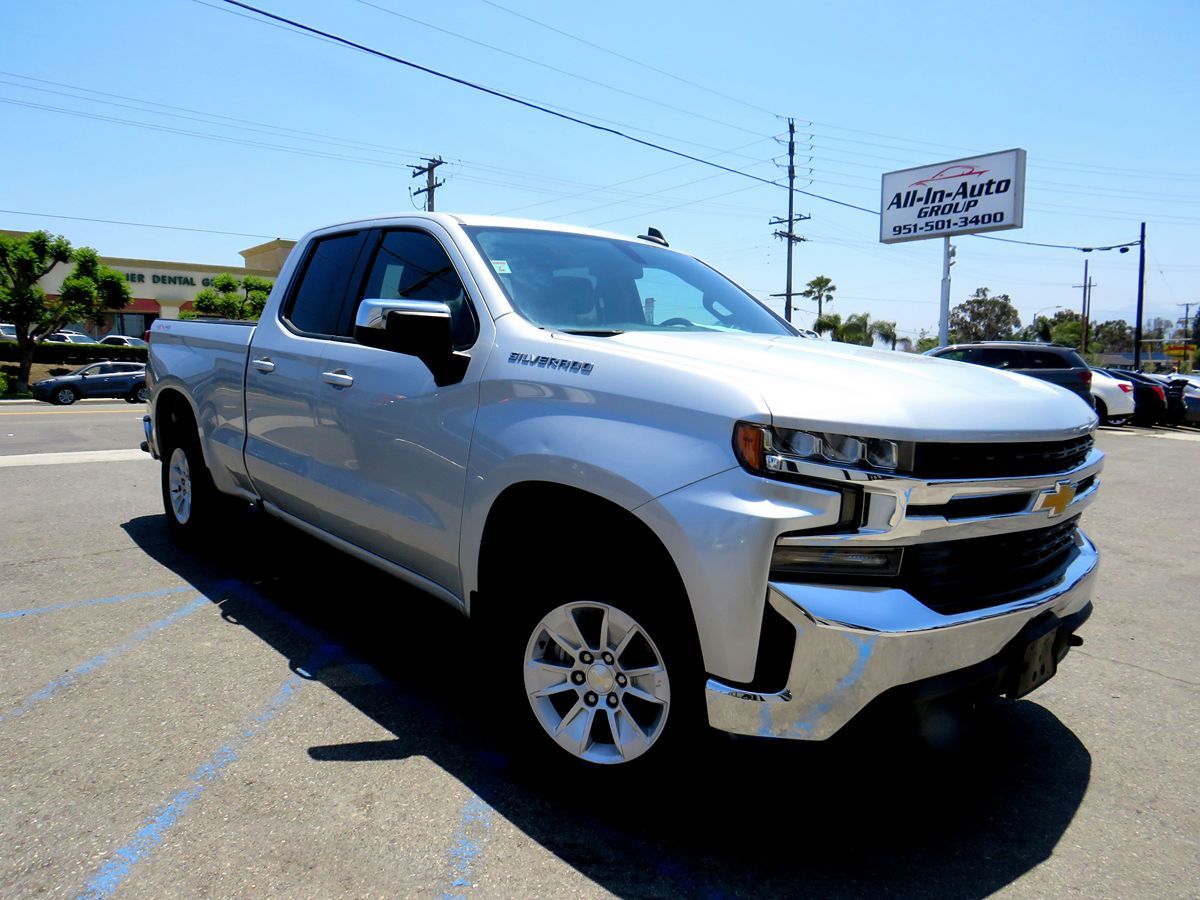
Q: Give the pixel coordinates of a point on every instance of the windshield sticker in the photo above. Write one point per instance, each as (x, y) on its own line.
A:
(551, 362)
(501, 267)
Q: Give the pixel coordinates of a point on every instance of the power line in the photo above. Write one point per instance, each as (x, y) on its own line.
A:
(629, 59)
(528, 104)
(41, 215)
(567, 72)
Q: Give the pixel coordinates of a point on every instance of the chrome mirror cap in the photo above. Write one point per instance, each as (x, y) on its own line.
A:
(373, 313)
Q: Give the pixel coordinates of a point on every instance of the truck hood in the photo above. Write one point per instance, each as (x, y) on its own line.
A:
(828, 386)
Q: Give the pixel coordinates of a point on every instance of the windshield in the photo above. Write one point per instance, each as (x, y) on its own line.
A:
(583, 283)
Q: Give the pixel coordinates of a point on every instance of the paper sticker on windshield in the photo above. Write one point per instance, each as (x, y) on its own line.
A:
(501, 267)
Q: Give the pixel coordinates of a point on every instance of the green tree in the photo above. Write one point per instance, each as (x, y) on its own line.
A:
(231, 297)
(1114, 336)
(925, 341)
(983, 317)
(90, 292)
(820, 289)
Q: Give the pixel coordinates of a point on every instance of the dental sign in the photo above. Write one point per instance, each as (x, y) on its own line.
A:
(962, 196)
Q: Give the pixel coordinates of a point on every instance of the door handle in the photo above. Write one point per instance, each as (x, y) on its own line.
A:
(338, 379)
(263, 364)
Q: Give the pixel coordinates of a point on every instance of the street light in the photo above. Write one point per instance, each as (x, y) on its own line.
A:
(1033, 322)
(1124, 248)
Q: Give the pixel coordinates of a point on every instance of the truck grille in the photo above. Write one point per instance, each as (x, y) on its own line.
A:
(958, 576)
(999, 460)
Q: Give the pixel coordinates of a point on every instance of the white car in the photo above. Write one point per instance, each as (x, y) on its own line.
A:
(121, 340)
(8, 332)
(1114, 398)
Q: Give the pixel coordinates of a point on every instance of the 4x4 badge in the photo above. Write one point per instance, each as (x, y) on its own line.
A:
(1058, 499)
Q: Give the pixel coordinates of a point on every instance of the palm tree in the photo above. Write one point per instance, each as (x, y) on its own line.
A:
(820, 289)
(858, 328)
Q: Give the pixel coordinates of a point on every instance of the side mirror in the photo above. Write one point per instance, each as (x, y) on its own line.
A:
(420, 328)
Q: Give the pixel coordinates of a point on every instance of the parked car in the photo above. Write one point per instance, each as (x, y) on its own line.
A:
(69, 337)
(104, 379)
(1113, 398)
(1049, 362)
(122, 340)
(1191, 399)
(1149, 397)
(8, 332)
(704, 520)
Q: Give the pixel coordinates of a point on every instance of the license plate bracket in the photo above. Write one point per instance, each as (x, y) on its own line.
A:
(1034, 661)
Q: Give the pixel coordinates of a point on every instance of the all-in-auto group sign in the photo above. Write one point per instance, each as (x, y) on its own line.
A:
(962, 196)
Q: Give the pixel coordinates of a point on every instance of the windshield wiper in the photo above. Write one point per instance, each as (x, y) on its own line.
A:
(594, 332)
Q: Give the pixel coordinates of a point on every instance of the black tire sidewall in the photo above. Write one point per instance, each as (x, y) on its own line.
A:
(203, 491)
(58, 392)
(686, 716)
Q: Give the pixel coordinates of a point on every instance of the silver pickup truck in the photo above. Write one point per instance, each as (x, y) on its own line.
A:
(669, 508)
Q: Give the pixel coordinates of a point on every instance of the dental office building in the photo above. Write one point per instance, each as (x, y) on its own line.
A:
(161, 289)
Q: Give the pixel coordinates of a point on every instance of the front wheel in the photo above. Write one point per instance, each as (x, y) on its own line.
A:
(606, 682)
(65, 396)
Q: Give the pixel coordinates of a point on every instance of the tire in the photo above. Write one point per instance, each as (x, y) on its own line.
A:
(65, 396)
(190, 499)
(1102, 411)
(140, 394)
(605, 685)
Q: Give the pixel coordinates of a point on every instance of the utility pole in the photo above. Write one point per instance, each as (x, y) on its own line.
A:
(1085, 311)
(1189, 329)
(431, 183)
(790, 236)
(944, 313)
(1137, 326)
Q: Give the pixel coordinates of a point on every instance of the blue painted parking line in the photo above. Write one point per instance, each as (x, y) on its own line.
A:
(101, 659)
(473, 828)
(155, 827)
(96, 601)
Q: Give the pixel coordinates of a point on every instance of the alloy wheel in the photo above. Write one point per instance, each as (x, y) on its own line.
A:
(597, 682)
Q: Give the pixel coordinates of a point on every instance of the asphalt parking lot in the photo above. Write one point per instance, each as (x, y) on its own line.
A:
(265, 717)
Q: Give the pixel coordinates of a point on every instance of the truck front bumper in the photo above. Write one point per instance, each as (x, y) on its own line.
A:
(853, 644)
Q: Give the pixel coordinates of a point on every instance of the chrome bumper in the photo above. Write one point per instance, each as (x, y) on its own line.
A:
(854, 643)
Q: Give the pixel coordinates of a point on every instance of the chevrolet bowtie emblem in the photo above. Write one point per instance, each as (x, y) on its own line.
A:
(1058, 499)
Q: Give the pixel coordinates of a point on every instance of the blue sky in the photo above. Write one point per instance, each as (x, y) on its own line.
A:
(1102, 96)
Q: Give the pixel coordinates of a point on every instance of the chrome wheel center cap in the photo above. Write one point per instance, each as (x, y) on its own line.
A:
(600, 678)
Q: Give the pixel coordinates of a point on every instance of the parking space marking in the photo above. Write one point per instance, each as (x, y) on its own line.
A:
(69, 458)
(473, 829)
(100, 659)
(155, 827)
(96, 601)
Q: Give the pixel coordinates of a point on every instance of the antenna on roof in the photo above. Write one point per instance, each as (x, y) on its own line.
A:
(654, 236)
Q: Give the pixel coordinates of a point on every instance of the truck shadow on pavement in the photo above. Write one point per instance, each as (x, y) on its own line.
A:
(883, 812)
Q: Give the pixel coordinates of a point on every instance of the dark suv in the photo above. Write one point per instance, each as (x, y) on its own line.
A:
(1049, 362)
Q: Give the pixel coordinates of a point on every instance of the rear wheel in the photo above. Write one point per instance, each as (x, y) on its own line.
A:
(140, 394)
(65, 396)
(189, 497)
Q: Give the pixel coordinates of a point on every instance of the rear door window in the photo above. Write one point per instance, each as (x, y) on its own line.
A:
(316, 305)
(1050, 359)
(1002, 357)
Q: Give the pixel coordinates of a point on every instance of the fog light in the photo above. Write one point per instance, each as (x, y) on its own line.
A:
(791, 559)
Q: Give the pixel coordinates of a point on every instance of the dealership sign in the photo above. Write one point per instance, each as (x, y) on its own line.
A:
(962, 196)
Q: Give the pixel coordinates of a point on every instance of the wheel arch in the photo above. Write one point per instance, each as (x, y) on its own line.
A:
(543, 518)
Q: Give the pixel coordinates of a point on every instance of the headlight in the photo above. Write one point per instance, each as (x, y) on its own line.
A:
(765, 451)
